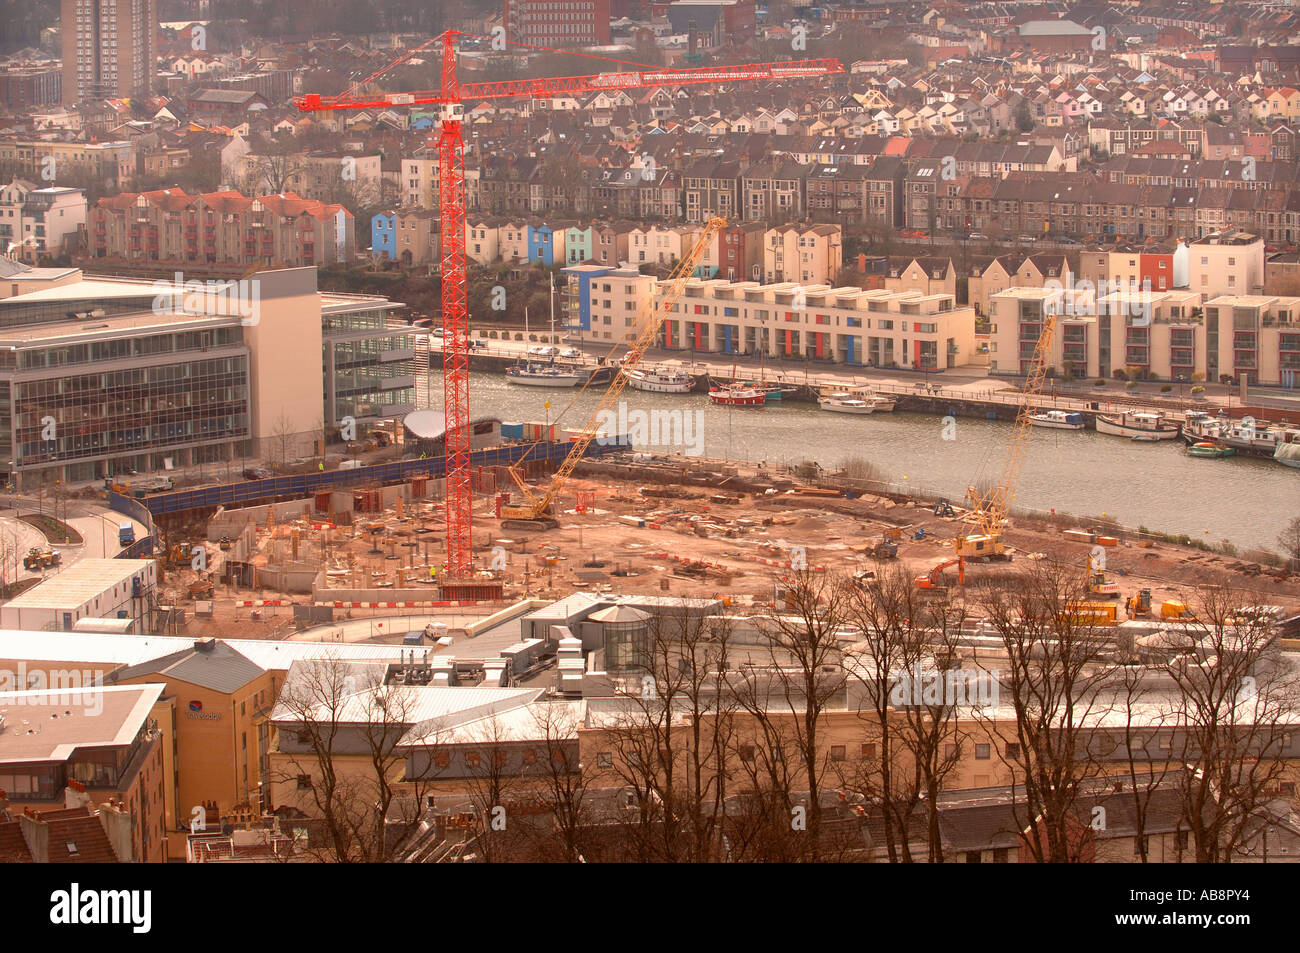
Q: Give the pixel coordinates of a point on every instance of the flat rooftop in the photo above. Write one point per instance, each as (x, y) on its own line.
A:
(111, 326)
(111, 650)
(51, 724)
(78, 584)
(1252, 301)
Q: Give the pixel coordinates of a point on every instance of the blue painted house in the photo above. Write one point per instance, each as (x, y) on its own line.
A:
(541, 244)
(383, 235)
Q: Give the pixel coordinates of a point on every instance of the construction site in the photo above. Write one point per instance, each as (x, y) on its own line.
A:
(707, 529)
(465, 534)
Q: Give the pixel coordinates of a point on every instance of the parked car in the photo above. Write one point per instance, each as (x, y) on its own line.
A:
(1027, 239)
(543, 351)
(1068, 241)
(978, 237)
(571, 354)
(257, 473)
(912, 234)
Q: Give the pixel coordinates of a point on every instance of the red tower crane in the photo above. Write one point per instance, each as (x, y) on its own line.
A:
(451, 173)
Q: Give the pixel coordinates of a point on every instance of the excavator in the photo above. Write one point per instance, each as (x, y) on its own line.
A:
(934, 577)
(537, 509)
(1095, 578)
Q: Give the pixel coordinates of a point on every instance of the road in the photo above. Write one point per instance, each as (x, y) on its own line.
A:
(96, 524)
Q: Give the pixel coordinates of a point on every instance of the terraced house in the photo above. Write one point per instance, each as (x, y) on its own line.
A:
(173, 227)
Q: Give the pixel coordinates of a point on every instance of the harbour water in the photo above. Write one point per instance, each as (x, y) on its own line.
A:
(1244, 501)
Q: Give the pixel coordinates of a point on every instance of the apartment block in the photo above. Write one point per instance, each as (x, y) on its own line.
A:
(35, 222)
(604, 303)
(213, 718)
(30, 87)
(1255, 338)
(110, 48)
(48, 161)
(820, 323)
(557, 23)
(1152, 334)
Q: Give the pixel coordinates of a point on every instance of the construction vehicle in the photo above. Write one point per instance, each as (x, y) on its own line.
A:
(934, 577)
(990, 507)
(126, 533)
(38, 558)
(178, 554)
(1095, 580)
(1175, 610)
(882, 549)
(537, 509)
(1091, 613)
(1139, 606)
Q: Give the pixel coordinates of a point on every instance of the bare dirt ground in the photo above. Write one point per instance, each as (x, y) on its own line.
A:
(658, 537)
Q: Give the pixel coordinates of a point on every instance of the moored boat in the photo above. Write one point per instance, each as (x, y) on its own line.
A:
(844, 404)
(1287, 454)
(878, 403)
(737, 395)
(542, 375)
(659, 380)
(1058, 420)
(1134, 424)
(1209, 450)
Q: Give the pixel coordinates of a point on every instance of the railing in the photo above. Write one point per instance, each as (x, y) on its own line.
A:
(307, 484)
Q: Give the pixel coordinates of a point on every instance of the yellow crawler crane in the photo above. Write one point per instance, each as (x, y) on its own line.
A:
(991, 507)
(537, 509)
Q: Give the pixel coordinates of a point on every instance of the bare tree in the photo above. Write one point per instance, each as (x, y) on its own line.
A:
(1236, 712)
(564, 782)
(283, 433)
(1053, 651)
(495, 780)
(804, 675)
(339, 728)
(1147, 763)
(908, 639)
(1289, 539)
(671, 740)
